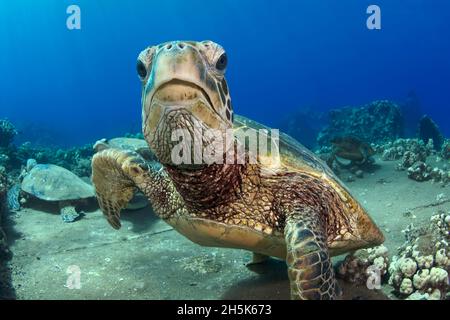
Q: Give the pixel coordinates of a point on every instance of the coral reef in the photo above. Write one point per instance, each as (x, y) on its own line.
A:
(77, 159)
(3, 190)
(13, 158)
(445, 152)
(6, 290)
(7, 133)
(428, 129)
(360, 266)
(413, 154)
(420, 270)
(377, 122)
(396, 150)
(419, 171)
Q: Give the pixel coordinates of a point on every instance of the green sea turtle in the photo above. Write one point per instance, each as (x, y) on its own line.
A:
(56, 184)
(350, 148)
(293, 209)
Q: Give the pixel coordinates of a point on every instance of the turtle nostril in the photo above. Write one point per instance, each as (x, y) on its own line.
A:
(181, 45)
(169, 46)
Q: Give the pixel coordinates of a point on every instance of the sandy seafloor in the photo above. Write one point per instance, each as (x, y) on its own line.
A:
(147, 259)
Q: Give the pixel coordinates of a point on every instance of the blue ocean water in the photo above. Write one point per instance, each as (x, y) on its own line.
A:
(77, 86)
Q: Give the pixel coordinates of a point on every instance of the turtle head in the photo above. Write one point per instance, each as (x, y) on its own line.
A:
(183, 89)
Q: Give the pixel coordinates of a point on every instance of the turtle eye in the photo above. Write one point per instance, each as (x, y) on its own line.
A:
(141, 69)
(221, 63)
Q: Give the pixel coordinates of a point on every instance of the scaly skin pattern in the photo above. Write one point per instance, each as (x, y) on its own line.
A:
(309, 266)
(297, 213)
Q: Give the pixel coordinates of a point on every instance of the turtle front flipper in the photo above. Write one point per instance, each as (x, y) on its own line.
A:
(116, 174)
(310, 270)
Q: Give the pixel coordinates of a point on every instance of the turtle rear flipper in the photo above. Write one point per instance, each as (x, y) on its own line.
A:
(309, 265)
(116, 174)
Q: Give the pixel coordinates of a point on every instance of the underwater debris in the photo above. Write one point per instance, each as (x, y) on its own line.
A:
(376, 122)
(421, 267)
(56, 184)
(427, 130)
(7, 133)
(360, 265)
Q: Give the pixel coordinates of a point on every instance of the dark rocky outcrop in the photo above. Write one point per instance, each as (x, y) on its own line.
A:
(376, 122)
(411, 111)
(427, 130)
